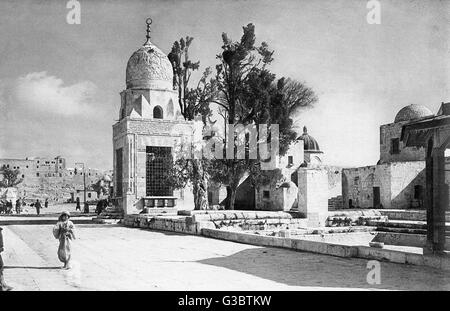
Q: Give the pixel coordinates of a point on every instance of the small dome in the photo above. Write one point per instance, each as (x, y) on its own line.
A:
(149, 67)
(412, 112)
(309, 142)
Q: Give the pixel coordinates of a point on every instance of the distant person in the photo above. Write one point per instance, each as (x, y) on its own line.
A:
(46, 203)
(18, 206)
(78, 208)
(38, 207)
(101, 206)
(3, 286)
(10, 207)
(98, 209)
(64, 231)
(86, 208)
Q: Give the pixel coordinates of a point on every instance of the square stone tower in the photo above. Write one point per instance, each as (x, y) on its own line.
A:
(150, 126)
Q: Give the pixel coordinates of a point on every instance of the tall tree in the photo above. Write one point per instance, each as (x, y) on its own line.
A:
(193, 101)
(10, 178)
(250, 94)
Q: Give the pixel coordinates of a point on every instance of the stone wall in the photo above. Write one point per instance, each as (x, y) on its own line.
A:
(358, 184)
(192, 222)
(335, 203)
(405, 176)
(391, 131)
(281, 198)
(334, 180)
(396, 182)
(49, 178)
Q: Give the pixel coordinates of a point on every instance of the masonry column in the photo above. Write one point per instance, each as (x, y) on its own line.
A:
(313, 195)
(130, 175)
(440, 199)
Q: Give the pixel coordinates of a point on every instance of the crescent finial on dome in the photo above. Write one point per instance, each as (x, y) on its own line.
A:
(149, 67)
(148, 21)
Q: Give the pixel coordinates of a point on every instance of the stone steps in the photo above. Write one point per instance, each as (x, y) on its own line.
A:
(353, 218)
(407, 224)
(401, 230)
(335, 203)
(404, 226)
(415, 215)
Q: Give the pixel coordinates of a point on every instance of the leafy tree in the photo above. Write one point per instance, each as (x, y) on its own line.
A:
(250, 94)
(10, 178)
(193, 101)
(101, 187)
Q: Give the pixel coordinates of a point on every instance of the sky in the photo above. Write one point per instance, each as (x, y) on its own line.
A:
(60, 82)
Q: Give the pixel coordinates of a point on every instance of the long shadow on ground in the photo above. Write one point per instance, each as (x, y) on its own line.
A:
(313, 270)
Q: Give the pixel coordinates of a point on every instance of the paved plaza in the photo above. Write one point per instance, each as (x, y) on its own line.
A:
(112, 257)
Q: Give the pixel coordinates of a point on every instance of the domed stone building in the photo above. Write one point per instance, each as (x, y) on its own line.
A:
(391, 147)
(313, 156)
(412, 112)
(150, 126)
(398, 179)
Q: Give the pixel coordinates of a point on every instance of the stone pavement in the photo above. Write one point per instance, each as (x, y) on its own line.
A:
(111, 257)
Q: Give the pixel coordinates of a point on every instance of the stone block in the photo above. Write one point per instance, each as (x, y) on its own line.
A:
(204, 225)
(284, 233)
(341, 250)
(216, 216)
(272, 221)
(286, 242)
(432, 261)
(249, 215)
(415, 259)
(247, 238)
(239, 215)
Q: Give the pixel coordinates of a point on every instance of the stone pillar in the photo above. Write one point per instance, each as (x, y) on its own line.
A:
(440, 201)
(313, 195)
(437, 201)
(132, 205)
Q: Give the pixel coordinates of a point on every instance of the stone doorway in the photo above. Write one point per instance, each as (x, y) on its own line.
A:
(376, 197)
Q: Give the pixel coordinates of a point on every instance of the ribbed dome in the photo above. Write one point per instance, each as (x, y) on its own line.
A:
(309, 142)
(412, 112)
(149, 67)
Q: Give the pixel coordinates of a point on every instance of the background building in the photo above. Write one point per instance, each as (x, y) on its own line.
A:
(45, 177)
(398, 180)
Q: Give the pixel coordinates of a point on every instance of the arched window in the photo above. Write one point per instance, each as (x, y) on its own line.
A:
(157, 112)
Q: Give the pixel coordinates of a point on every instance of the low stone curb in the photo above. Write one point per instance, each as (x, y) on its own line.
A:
(365, 252)
(230, 221)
